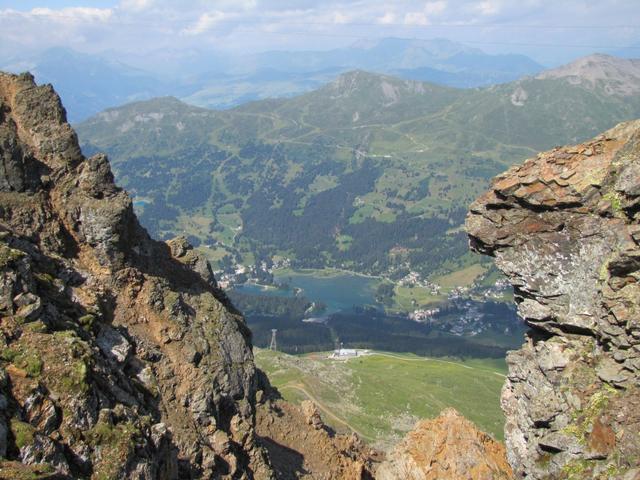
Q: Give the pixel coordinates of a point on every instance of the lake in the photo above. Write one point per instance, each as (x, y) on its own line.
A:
(338, 291)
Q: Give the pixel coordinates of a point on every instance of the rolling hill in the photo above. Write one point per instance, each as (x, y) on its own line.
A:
(382, 395)
(370, 172)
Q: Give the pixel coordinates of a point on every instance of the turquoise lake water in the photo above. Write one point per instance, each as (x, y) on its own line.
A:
(338, 292)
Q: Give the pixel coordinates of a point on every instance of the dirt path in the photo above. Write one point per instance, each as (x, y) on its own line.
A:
(300, 387)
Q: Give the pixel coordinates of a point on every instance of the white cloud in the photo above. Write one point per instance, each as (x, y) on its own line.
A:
(71, 27)
(340, 18)
(250, 25)
(387, 18)
(435, 8)
(416, 18)
(206, 22)
(136, 5)
(489, 7)
(70, 14)
(224, 5)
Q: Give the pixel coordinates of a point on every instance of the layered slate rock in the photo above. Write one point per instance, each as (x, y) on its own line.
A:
(120, 357)
(565, 229)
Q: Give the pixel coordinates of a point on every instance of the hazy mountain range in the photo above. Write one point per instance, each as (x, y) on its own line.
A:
(370, 172)
(91, 83)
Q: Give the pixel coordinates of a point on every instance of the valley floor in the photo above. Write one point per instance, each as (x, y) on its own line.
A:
(382, 395)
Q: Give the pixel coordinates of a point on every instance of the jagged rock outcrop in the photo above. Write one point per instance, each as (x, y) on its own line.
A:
(565, 229)
(449, 447)
(301, 446)
(120, 356)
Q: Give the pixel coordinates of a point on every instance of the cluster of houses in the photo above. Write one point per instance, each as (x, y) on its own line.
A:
(498, 290)
(423, 315)
(458, 292)
(241, 274)
(471, 321)
(414, 279)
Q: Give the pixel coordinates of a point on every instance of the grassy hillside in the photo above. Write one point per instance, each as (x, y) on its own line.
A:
(369, 173)
(381, 396)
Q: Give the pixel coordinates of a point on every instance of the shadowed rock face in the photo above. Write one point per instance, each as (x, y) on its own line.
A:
(120, 357)
(564, 228)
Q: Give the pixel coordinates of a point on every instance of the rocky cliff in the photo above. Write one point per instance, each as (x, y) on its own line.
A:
(565, 229)
(119, 355)
(121, 358)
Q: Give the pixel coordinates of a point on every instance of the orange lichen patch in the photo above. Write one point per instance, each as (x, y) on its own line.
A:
(533, 225)
(602, 439)
(21, 385)
(530, 189)
(449, 447)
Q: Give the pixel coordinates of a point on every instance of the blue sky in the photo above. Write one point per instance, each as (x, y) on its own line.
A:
(28, 4)
(550, 31)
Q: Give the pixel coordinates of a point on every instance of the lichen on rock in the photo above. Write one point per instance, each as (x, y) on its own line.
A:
(564, 228)
(449, 447)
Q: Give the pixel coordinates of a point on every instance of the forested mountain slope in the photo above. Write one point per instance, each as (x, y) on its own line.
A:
(370, 172)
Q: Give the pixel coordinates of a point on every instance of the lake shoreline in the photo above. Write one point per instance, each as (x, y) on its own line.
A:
(325, 272)
(338, 290)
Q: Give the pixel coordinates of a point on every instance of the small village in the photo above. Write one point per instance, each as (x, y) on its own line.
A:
(464, 304)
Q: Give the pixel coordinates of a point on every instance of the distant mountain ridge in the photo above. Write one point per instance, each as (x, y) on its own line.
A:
(370, 172)
(91, 83)
(438, 60)
(616, 76)
(391, 55)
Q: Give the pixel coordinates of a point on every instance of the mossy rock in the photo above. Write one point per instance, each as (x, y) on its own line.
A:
(583, 420)
(20, 471)
(45, 281)
(601, 469)
(577, 469)
(22, 433)
(23, 358)
(9, 255)
(616, 201)
(115, 443)
(76, 379)
(72, 376)
(37, 327)
(87, 322)
(170, 298)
